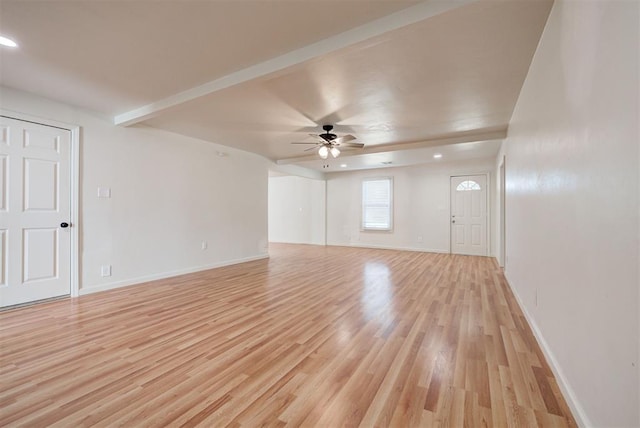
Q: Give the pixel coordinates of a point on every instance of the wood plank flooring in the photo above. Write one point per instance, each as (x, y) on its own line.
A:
(313, 336)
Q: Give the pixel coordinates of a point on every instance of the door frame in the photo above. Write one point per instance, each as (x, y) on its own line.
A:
(488, 205)
(74, 191)
(502, 170)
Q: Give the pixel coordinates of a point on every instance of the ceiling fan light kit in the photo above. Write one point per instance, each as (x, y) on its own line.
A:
(323, 152)
(329, 143)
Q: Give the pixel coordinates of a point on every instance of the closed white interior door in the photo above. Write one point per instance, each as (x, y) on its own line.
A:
(469, 215)
(35, 245)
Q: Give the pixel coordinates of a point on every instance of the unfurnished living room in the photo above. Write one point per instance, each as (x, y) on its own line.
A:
(376, 213)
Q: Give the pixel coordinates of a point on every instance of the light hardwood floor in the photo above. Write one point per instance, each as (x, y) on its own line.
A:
(314, 336)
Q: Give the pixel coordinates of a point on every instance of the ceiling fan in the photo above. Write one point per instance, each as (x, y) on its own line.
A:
(329, 143)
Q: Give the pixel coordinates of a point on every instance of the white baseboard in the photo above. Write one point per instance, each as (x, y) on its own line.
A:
(298, 243)
(164, 275)
(577, 410)
(387, 247)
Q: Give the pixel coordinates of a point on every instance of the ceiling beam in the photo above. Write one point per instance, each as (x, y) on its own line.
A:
(497, 134)
(397, 20)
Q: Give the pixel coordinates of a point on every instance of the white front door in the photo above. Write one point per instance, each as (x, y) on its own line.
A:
(35, 245)
(469, 215)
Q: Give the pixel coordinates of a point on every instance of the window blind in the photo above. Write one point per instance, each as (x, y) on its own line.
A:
(376, 204)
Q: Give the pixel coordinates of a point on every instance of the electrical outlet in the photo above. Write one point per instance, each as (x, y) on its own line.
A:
(105, 270)
(204, 245)
(419, 238)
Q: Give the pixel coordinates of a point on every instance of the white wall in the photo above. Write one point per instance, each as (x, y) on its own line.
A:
(169, 193)
(421, 206)
(497, 205)
(296, 210)
(572, 204)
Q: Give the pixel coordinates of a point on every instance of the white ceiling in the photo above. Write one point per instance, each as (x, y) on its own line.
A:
(402, 76)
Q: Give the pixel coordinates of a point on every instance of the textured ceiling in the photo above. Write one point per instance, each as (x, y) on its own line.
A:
(112, 56)
(205, 69)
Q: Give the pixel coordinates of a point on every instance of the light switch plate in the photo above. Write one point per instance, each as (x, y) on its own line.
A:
(104, 192)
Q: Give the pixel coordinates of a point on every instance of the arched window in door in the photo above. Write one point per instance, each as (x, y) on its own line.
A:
(468, 185)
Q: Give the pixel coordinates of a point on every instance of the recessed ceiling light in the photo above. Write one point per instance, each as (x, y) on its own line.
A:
(4, 41)
(343, 165)
(437, 156)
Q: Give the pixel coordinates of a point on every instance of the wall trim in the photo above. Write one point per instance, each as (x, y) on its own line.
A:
(388, 247)
(578, 411)
(165, 275)
(298, 243)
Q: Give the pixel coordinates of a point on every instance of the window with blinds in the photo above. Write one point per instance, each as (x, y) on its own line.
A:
(377, 204)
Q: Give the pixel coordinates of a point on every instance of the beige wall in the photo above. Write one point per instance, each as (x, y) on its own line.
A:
(169, 193)
(421, 206)
(296, 210)
(572, 204)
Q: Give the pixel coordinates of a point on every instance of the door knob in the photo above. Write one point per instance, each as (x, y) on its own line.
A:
(63, 225)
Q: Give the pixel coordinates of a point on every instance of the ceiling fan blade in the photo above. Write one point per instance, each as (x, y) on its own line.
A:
(317, 137)
(352, 145)
(344, 139)
(330, 141)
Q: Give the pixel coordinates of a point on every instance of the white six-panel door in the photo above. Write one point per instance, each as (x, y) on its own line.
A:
(469, 215)
(35, 250)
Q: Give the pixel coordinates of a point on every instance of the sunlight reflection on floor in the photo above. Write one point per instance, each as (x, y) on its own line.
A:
(377, 293)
